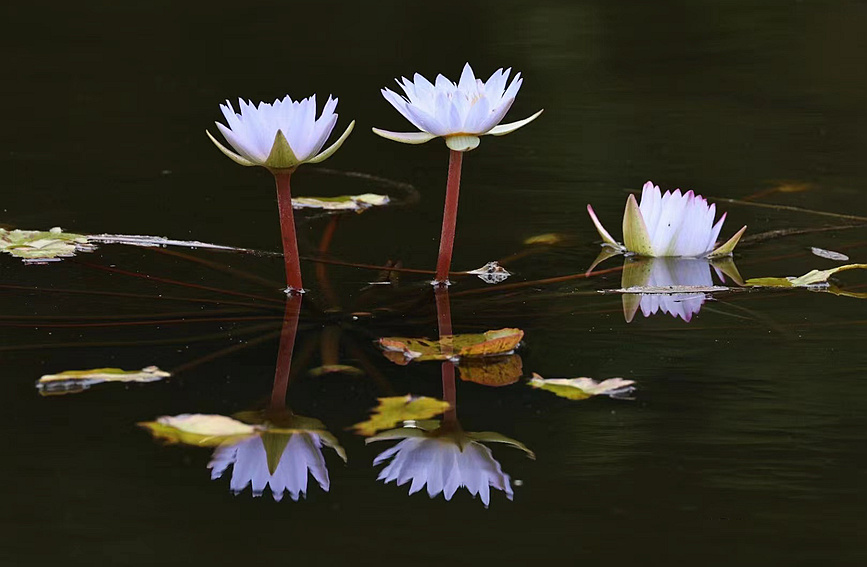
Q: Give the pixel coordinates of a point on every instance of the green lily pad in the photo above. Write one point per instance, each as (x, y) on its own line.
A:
(354, 203)
(75, 381)
(398, 409)
(37, 246)
(583, 388)
(402, 350)
(811, 278)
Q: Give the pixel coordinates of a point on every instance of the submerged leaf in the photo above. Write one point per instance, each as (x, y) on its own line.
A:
(394, 410)
(401, 350)
(356, 203)
(492, 371)
(548, 239)
(583, 388)
(201, 430)
(812, 278)
(74, 381)
(36, 246)
(829, 254)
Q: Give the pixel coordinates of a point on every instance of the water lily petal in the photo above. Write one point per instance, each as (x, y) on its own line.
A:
(230, 154)
(504, 129)
(606, 236)
(405, 137)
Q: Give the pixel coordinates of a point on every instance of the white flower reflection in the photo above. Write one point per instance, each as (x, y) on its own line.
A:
(445, 460)
(280, 461)
(660, 273)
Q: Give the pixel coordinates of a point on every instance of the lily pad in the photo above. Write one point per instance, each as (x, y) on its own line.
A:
(811, 278)
(829, 254)
(75, 381)
(402, 350)
(355, 203)
(38, 246)
(491, 273)
(200, 430)
(583, 388)
(398, 409)
(492, 371)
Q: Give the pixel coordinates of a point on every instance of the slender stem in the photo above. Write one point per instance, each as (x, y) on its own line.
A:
(284, 353)
(450, 218)
(291, 257)
(444, 320)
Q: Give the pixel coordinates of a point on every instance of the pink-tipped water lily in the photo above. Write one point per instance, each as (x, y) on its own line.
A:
(280, 137)
(459, 113)
(669, 224)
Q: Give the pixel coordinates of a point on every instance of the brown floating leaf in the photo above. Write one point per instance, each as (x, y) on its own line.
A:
(201, 430)
(398, 409)
(548, 239)
(451, 347)
(492, 371)
(491, 273)
(829, 254)
(36, 246)
(583, 388)
(356, 203)
(74, 381)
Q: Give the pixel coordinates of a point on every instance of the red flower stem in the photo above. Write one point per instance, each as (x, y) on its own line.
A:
(284, 353)
(291, 258)
(444, 320)
(450, 218)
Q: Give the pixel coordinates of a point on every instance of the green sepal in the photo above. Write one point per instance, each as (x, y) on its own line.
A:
(727, 248)
(504, 129)
(281, 157)
(635, 235)
(230, 154)
(324, 155)
(404, 137)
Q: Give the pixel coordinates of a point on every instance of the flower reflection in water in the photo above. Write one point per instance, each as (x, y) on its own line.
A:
(662, 273)
(444, 457)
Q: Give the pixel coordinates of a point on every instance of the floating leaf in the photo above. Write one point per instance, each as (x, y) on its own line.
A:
(829, 254)
(668, 289)
(492, 371)
(812, 278)
(394, 410)
(583, 388)
(36, 246)
(491, 273)
(356, 203)
(75, 381)
(451, 347)
(548, 239)
(201, 430)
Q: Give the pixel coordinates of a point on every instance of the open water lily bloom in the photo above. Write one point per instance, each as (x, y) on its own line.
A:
(459, 112)
(669, 224)
(279, 136)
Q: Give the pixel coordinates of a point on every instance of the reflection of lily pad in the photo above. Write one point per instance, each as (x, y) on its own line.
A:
(394, 410)
(583, 388)
(74, 381)
(35, 246)
(812, 278)
(356, 203)
(491, 273)
(492, 371)
(402, 350)
(201, 430)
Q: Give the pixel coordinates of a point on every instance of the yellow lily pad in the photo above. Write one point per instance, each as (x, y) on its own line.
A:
(811, 278)
(200, 430)
(583, 388)
(402, 350)
(356, 203)
(74, 381)
(398, 409)
(36, 246)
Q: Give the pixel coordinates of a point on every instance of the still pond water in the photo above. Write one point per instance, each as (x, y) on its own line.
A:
(745, 440)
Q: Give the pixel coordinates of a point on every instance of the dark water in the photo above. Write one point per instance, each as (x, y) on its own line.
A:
(745, 443)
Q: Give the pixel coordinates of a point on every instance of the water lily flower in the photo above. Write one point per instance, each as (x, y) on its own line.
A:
(669, 280)
(444, 460)
(459, 113)
(669, 224)
(280, 137)
(280, 461)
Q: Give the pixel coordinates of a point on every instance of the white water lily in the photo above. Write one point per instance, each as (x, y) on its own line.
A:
(459, 112)
(669, 224)
(445, 459)
(280, 461)
(279, 136)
